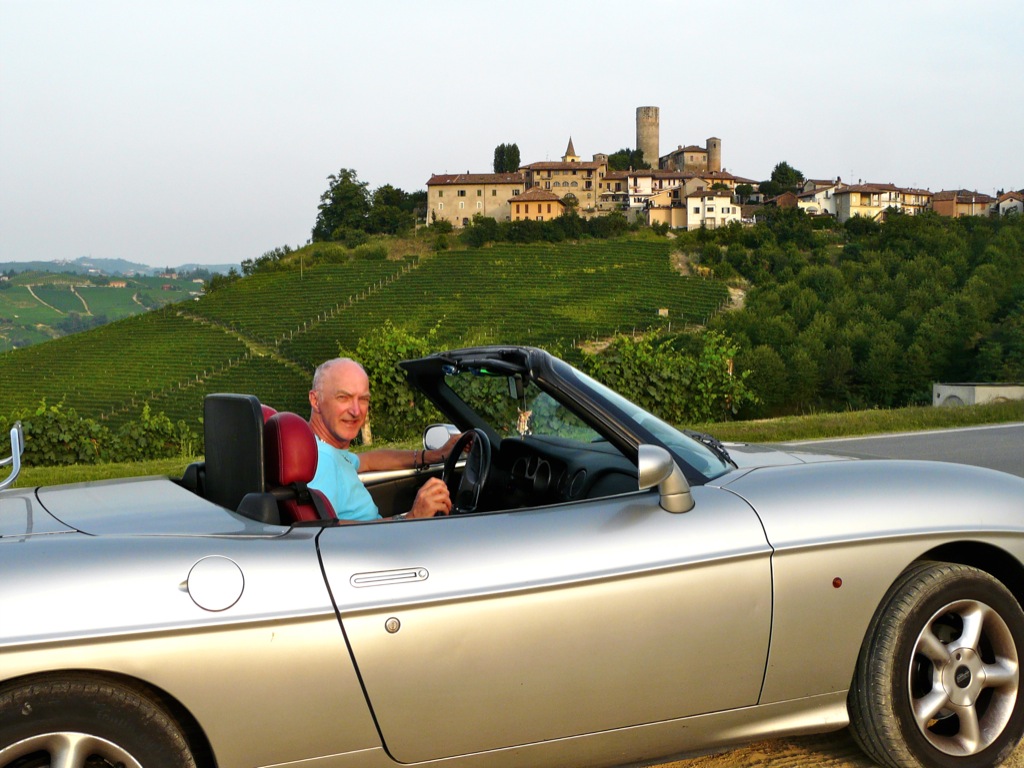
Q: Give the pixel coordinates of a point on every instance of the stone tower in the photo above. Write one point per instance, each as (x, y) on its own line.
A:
(714, 154)
(647, 127)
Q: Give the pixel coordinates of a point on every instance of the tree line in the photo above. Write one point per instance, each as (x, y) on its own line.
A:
(869, 314)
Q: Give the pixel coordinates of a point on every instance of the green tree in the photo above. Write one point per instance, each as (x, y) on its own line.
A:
(506, 158)
(480, 230)
(344, 205)
(768, 380)
(744, 191)
(784, 178)
(625, 159)
(788, 176)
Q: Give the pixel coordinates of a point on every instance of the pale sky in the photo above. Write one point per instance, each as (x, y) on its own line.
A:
(176, 131)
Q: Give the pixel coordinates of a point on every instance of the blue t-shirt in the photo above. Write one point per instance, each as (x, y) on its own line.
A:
(336, 476)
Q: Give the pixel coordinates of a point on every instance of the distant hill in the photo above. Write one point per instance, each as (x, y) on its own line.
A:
(39, 306)
(85, 265)
(265, 334)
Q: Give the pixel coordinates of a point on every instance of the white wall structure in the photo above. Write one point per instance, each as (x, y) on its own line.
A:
(975, 394)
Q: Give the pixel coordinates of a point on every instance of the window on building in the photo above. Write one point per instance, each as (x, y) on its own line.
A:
(462, 205)
(479, 193)
(696, 209)
(461, 193)
(440, 206)
(479, 205)
(494, 193)
(440, 193)
(515, 192)
(549, 207)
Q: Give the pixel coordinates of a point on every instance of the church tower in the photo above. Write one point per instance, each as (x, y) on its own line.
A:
(570, 155)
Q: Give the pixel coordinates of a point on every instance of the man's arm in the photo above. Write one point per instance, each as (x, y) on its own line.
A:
(391, 458)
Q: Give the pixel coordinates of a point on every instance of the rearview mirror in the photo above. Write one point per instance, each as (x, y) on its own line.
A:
(657, 468)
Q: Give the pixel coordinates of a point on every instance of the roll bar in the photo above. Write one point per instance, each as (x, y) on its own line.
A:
(17, 448)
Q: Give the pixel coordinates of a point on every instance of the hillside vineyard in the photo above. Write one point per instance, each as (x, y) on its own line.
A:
(265, 334)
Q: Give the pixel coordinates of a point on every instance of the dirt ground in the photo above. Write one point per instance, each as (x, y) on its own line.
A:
(833, 750)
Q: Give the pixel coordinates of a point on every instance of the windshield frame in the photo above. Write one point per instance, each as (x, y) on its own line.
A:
(621, 422)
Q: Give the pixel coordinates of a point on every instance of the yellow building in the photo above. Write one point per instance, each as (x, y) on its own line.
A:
(536, 204)
(962, 202)
(457, 198)
(915, 201)
(572, 177)
(866, 200)
(871, 200)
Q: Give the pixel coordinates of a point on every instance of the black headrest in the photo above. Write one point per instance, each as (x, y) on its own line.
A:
(233, 431)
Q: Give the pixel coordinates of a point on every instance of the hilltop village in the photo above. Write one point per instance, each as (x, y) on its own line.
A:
(687, 188)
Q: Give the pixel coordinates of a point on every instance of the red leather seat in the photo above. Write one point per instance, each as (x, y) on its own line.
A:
(290, 459)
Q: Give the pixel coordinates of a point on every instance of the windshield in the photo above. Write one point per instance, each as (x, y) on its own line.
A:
(698, 456)
(518, 408)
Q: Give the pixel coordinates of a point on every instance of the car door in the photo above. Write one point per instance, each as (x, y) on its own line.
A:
(479, 632)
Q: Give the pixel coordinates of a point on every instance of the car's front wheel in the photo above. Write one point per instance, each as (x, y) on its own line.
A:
(938, 679)
(86, 722)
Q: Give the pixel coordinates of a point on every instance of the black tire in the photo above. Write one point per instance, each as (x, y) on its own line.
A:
(104, 724)
(938, 682)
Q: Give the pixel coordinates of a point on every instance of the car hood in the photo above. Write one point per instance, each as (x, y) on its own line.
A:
(747, 455)
(147, 506)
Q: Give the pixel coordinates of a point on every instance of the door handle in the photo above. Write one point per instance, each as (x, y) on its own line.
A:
(384, 578)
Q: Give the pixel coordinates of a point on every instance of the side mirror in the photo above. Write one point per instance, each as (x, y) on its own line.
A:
(437, 435)
(17, 448)
(656, 468)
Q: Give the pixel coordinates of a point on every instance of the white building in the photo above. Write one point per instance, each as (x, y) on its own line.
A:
(1011, 202)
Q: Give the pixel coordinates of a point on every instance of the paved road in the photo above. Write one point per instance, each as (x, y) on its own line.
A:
(996, 447)
(999, 446)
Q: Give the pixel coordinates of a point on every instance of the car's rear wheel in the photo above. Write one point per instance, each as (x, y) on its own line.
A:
(938, 679)
(86, 722)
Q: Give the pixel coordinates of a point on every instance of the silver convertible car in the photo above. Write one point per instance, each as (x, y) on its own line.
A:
(608, 590)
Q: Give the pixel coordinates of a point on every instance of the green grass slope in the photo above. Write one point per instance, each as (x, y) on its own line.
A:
(265, 334)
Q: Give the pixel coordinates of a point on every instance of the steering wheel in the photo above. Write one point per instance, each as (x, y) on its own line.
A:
(465, 490)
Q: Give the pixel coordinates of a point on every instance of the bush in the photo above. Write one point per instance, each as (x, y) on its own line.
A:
(397, 413)
(55, 435)
(677, 386)
(377, 252)
(154, 437)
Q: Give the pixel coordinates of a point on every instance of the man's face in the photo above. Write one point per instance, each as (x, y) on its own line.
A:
(342, 402)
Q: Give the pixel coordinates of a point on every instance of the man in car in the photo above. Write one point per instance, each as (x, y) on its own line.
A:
(340, 401)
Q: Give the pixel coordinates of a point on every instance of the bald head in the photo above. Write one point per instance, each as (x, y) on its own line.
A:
(340, 401)
(322, 370)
